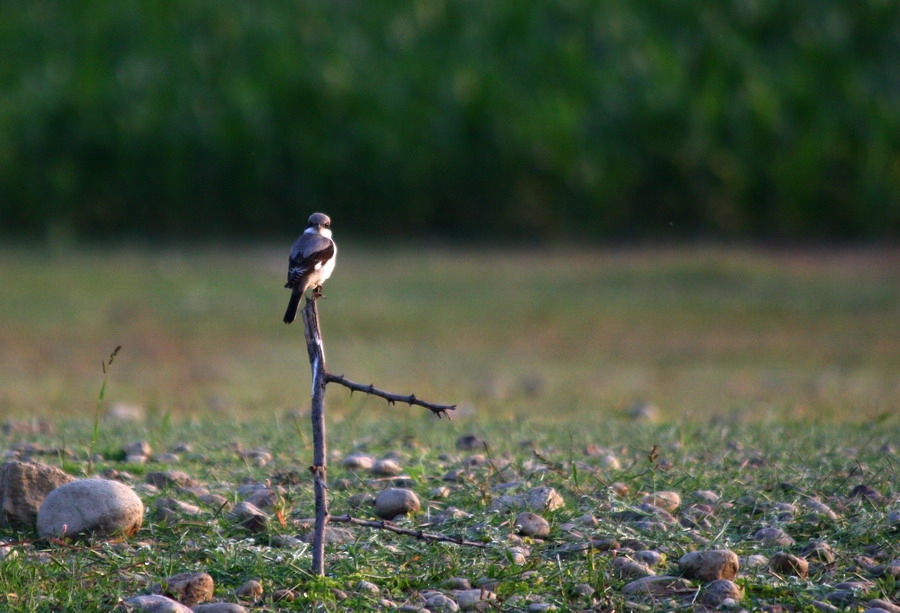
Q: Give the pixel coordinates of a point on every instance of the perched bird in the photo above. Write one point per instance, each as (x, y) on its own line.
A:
(311, 261)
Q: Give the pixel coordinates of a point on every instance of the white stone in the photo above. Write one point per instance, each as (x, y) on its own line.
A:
(98, 507)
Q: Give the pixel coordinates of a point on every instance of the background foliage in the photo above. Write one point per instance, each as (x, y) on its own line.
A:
(737, 118)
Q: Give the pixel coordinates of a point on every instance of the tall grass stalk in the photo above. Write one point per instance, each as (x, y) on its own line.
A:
(95, 436)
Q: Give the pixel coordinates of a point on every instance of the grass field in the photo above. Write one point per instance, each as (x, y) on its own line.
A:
(737, 333)
(775, 373)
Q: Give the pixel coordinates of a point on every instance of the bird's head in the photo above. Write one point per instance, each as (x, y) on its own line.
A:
(319, 222)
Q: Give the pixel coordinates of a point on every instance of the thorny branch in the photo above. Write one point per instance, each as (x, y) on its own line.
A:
(438, 409)
(419, 534)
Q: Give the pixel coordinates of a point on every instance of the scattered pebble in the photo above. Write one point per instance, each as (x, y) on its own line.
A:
(776, 536)
(251, 590)
(530, 524)
(249, 516)
(170, 478)
(137, 448)
(155, 603)
(439, 603)
(659, 587)
(664, 500)
(475, 600)
(188, 588)
(469, 442)
(395, 501)
(358, 461)
(716, 593)
(387, 467)
(710, 565)
(368, 587)
(789, 564)
(627, 568)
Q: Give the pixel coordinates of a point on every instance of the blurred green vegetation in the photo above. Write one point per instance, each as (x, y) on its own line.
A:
(741, 118)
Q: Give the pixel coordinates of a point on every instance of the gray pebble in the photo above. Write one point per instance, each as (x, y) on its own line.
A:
(357, 461)
(394, 502)
(386, 468)
(155, 603)
(773, 535)
(715, 593)
(218, 607)
(530, 524)
(789, 564)
(709, 565)
(440, 603)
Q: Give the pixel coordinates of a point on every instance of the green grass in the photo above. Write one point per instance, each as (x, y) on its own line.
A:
(705, 332)
(752, 466)
(775, 373)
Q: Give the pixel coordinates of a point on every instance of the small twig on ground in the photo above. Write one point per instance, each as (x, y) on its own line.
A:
(438, 409)
(419, 534)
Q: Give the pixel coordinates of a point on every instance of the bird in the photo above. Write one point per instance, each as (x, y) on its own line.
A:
(311, 262)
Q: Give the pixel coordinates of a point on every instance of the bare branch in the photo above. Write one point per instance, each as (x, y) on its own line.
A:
(438, 409)
(419, 534)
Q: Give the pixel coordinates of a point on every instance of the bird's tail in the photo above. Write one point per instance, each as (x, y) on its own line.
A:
(291, 312)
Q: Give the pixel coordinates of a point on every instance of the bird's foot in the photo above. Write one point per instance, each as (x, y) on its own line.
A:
(317, 292)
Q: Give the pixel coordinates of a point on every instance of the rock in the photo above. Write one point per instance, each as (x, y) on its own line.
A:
(457, 583)
(867, 492)
(469, 442)
(627, 568)
(583, 590)
(819, 551)
(707, 497)
(368, 587)
(182, 508)
(662, 586)
(32, 426)
(257, 457)
(282, 596)
(166, 458)
(755, 560)
(137, 448)
(218, 607)
(215, 501)
(440, 603)
(819, 510)
(884, 604)
(386, 468)
(773, 535)
(710, 565)
(171, 478)
(154, 603)
(517, 555)
(475, 600)
(543, 499)
(650, 557)
(23, 487)
(789, 564)
(358, 461)
(249, 516)
(530, 524)
(396, 501)
(252, 590)
(664, 500)
(188, 588)
(715, 593)
(263, 498)
(96, 507)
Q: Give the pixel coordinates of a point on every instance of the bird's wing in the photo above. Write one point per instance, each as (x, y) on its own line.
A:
(308, 253)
